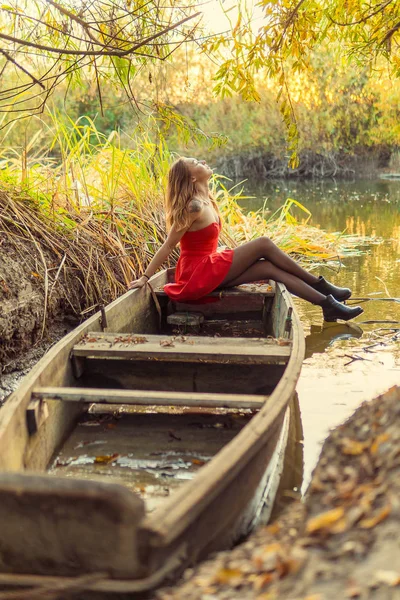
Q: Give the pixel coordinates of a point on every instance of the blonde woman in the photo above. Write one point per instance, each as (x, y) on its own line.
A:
(193, 220)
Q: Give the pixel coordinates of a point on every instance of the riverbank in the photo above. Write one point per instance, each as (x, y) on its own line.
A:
(342, 542)
(259, 164)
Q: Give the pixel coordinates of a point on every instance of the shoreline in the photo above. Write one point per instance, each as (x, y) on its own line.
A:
(261, 164)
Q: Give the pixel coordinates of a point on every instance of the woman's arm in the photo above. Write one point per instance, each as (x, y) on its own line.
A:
(163, 252)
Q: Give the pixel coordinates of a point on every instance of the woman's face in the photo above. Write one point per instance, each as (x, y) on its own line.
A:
(199, 169)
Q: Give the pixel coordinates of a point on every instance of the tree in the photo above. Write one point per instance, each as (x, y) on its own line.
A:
(44, 43)
(360, 30)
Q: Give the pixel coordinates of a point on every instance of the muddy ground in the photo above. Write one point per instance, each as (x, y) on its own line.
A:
(341, 542)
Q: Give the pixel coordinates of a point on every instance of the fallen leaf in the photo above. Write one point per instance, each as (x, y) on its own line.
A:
(197, 461)
(167, 343)
(370, 522)
(230, 576)
(262, 581)
(378, 441)
(139, 339)
(273, 529)
(106, 459)
(324, 520)
(353, 447)
(34, 274)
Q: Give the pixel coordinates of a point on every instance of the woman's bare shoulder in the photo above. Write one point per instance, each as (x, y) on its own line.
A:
(195, 205)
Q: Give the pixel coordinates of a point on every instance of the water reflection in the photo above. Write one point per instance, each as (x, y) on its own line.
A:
(349, 363)
(323, 336)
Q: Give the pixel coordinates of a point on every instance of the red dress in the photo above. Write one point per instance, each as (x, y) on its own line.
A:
(200, 269)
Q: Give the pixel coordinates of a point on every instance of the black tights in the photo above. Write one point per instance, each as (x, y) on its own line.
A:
(262, 259)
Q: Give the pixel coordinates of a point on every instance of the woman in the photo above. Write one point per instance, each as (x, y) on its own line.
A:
(193, 220)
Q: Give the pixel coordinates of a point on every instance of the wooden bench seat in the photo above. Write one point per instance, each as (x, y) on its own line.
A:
(218, 350)
(144, 397)
(261, 290)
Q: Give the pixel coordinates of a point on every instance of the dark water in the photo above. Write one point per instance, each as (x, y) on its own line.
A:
(347, 364)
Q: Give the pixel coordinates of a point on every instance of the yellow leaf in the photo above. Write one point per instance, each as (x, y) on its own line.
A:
(324, 520)
(106, 459)
(380, 516)
(353, 447)
(378, 441)
(229, 575)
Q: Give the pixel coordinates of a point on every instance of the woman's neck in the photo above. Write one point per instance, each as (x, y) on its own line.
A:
(202, 190)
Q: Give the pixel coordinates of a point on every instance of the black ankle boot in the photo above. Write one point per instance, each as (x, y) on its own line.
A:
(334, 310)
(326, 288)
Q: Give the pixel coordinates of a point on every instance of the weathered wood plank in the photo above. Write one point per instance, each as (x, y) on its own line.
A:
(188, 319)
(182, 349)
(208, 378)
(67, 527)
(140, 397)
(247, 289)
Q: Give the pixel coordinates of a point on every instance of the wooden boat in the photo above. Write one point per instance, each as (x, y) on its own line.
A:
(91, 438)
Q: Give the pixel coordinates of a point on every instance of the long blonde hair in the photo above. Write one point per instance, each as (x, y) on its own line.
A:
(181, 190)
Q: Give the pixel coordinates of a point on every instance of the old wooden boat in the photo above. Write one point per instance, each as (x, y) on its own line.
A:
(149, 436)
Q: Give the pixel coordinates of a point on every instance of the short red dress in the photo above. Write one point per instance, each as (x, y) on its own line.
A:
(200, 269)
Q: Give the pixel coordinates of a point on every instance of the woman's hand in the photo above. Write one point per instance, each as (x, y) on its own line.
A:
(137, 283)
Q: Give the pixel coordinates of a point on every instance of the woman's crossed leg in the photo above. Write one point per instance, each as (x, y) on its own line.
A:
(262, 259)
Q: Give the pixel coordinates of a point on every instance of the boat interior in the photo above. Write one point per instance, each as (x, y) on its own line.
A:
(162, 401)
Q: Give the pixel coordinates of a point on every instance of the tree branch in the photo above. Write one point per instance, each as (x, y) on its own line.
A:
(390, 33)
(363, 19)
(14, 62)
(119, 53)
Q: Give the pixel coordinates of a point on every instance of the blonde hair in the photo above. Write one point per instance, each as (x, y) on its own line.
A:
(181, 190)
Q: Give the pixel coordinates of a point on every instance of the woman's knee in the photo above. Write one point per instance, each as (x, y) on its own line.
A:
(264, 244)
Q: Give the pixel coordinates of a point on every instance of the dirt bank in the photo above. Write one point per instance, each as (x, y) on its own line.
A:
(48, 272)
(342, 542)
(14, 369)
(27, 305)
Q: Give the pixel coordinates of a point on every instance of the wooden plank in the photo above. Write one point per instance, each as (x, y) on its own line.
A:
(203, 377)
(265, 290)
(104, 396)
(36, 414)
(67, 526)
(183, 349)
(186, 319)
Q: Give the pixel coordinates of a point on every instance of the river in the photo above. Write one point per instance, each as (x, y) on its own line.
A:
(347, 364)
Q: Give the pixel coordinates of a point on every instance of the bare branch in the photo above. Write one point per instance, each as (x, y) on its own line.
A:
(117, 53)
(14, 62)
